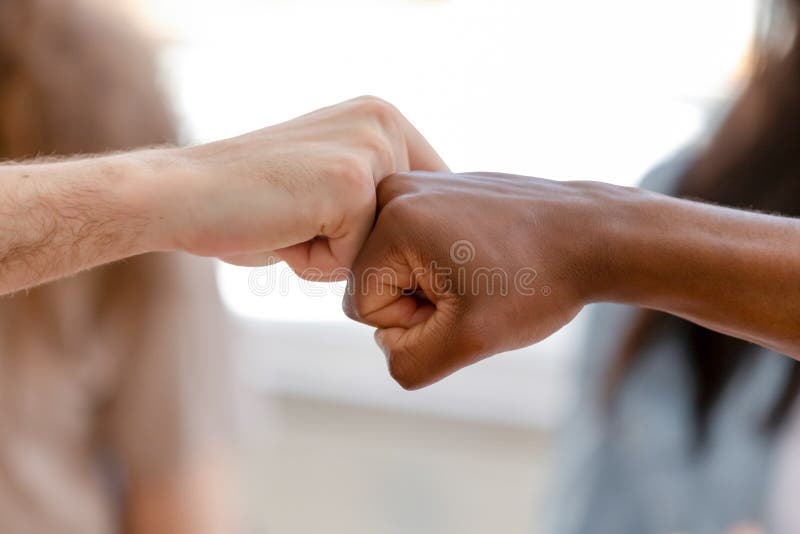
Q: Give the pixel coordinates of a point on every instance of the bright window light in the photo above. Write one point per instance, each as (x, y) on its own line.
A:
(579, 89)
(561, 89)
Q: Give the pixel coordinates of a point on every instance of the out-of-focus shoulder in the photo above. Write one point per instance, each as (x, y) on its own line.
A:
(664, 177)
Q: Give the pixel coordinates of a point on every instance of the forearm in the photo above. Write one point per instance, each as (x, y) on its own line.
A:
(562, 245)
(61, 217)
(733, 271)
(303, 191)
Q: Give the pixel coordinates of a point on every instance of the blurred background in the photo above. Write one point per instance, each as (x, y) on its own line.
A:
(567, 89)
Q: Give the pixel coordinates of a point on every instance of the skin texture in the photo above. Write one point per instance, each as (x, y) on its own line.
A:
(302, 191)
(730, 270)
(75, 78)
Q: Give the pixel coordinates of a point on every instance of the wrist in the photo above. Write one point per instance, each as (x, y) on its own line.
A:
(618, 223)
(231, 197)
(148, 180)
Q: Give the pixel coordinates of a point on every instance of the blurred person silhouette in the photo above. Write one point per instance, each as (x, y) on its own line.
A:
(679, 428)
(115, 397)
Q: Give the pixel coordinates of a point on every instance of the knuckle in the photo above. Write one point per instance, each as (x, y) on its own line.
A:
(406, 368)
(404, 374)
(350, 305)
(401, 209)
(307, 272)
(403, 180)
(381, 148)
(394, 186)
(348, 167)
(376, 107)
(353, 174)
(384, 113)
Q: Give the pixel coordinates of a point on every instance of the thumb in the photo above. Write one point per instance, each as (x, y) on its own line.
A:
(416, 330)
(425, 352)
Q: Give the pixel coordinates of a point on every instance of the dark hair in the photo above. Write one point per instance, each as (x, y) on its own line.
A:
(752, 162)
